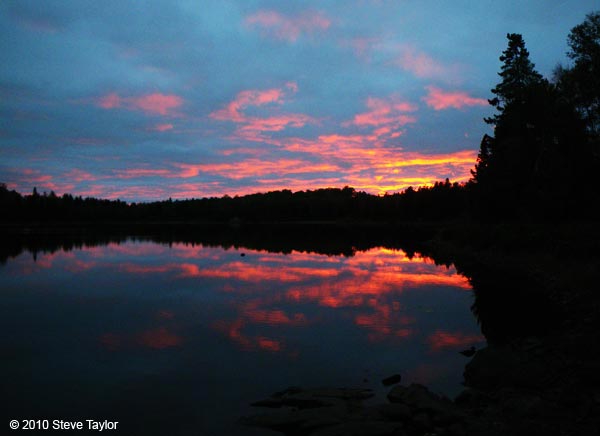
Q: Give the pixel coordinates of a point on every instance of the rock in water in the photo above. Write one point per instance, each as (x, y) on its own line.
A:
(470, 352)
(391, 380)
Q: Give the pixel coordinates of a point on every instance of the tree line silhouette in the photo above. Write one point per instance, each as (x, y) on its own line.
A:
(439, 201)
(542, 161)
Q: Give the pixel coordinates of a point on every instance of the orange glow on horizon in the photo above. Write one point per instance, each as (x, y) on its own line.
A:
(364, 152)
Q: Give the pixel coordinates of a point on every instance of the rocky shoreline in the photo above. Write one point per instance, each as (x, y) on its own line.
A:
(528, 387)
(544, 382)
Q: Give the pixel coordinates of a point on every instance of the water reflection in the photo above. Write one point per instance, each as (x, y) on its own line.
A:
(189, 316)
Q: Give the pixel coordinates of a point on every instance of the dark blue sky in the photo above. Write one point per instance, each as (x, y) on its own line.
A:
(146, 100)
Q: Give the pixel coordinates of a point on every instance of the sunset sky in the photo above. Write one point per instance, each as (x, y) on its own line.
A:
(181, 99)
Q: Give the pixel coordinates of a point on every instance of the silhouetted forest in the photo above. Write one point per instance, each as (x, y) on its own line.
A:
(440, 201)
(542, 161)
(544, 157)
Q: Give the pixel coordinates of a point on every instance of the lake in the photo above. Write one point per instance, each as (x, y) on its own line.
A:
(180, 337)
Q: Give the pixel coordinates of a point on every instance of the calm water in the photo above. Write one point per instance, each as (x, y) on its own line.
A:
(180, 338)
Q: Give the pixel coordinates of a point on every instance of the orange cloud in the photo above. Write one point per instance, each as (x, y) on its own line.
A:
(282, 27)
(157, 103)
(367, 156)
(366, 164)
(419, 159)
(254, 167)
(439, 99)
(352, 160)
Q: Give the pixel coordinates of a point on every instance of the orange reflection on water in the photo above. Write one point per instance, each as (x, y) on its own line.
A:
(233, 330)
(369, 283)
(269, 344)
(256, 273)
(441, 339)
(159, 338)
(111, 341)
(165, 314)
(272, 317)
(270, 293)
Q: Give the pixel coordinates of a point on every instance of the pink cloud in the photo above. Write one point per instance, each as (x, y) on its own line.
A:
(82, 140)
(420, 64)
(385, 117)
(252, 127)
(439, 99)
(161, 127)
(37, 23)
(233, 110)
(157, 103)
(94, 191)
(282, 27)
(252, 97)
(423, 66)
(26, 178)
(110, 101)
(384, 112)
(362, 47)
(34, 176)
(77, 175)
(141, 172)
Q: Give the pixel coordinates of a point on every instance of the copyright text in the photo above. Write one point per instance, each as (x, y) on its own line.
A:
(61, 424)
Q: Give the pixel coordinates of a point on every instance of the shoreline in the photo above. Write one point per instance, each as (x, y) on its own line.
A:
(545, 382)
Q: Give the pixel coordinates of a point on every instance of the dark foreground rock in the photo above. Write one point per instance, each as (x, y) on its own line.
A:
(391, 380)
(414, 411)
(531, 386)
